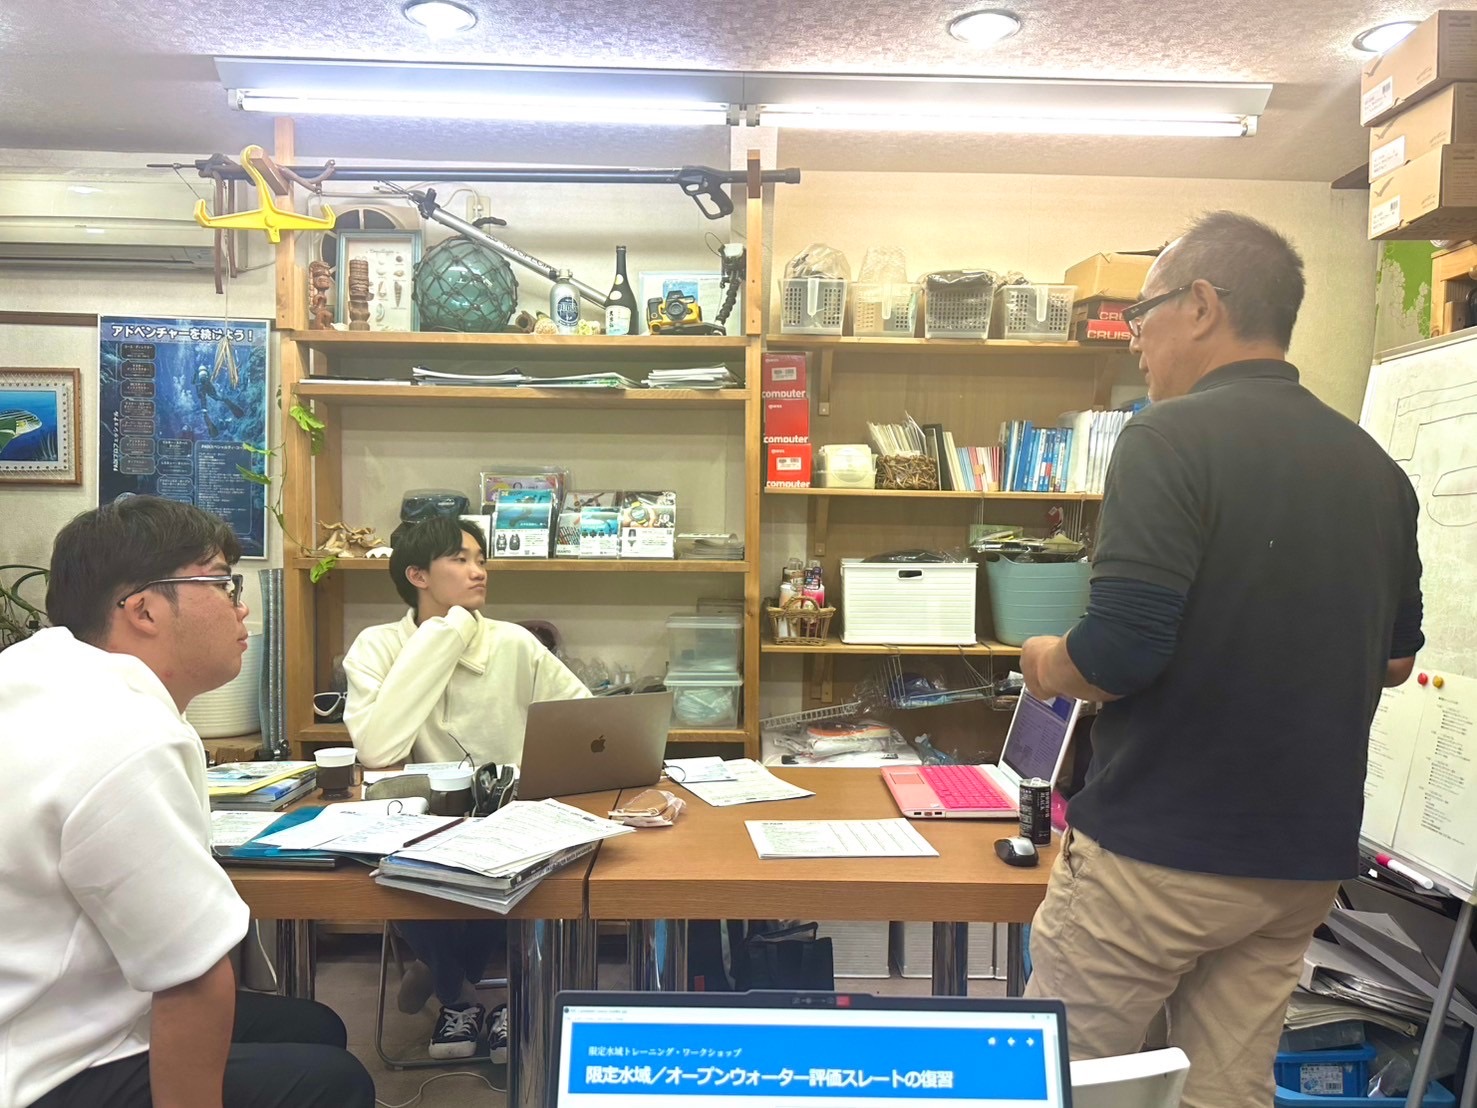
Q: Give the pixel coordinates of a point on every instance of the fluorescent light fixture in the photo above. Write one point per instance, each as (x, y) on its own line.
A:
(1376, 40)
(941, 123)
(984, 28)
(83, 190)
(548, 110)
(95, 230)
(440, 17)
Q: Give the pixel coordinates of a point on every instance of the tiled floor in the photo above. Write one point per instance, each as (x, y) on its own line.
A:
(348, 968)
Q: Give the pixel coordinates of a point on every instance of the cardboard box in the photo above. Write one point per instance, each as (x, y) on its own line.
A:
(1433, 197)
(1119, 276)
(1449, 117)
(789, 464)
(1100, 319)
(1441, 50)
(787, 420)
(784, 376)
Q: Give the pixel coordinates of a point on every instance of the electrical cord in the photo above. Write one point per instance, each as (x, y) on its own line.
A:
(256, 931)
(440, 1076)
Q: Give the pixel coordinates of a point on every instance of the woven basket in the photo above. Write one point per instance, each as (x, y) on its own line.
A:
(801, 622)
(907, 471)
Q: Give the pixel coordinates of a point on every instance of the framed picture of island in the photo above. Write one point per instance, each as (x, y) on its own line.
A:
(39, 420)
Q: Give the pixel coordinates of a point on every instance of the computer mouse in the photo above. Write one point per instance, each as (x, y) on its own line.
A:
(1017, 851)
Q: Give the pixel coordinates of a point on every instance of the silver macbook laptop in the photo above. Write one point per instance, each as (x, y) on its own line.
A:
(784, 1049)
(595, 744)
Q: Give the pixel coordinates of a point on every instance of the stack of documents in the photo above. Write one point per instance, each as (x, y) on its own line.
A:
(495, 862)
(423, 376)
(604, 380)
(259, 786)
(698, 377)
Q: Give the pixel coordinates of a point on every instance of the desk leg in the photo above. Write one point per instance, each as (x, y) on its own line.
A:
(658, 954)
(1015, 959)
(297, 957)
(533, 979)
(577, 955)
(1440, 1005)
(951, 959)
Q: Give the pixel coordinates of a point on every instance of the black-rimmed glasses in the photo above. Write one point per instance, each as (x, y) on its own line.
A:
(230, 582)
(1133, 315)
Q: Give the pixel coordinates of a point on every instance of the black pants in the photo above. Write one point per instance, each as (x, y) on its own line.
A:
(285, 1053)
(455, 950)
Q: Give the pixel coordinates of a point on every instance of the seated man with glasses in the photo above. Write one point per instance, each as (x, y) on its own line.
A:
(116, 985)
(444, 684)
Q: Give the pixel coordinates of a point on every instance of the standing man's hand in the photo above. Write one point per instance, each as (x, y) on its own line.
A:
(1035, 655)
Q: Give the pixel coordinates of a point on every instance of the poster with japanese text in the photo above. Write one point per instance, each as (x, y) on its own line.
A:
(178, 398)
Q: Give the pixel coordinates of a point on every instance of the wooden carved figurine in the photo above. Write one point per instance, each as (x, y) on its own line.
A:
(320, 297)
(359, 294)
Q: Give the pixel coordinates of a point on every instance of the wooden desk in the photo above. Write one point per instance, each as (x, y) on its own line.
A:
(706, 868)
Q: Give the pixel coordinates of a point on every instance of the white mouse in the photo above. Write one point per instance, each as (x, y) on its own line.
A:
(1017, 851)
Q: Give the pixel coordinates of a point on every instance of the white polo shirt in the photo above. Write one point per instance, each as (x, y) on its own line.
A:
(108, 892)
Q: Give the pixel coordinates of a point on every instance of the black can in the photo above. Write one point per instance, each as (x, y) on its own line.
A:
(1036, 810)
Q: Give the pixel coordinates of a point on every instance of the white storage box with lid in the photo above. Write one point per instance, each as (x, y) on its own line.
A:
(708, 643)
(1039, 313)
(908, 603)
(704, 700)
(812, 306)
(884, 309)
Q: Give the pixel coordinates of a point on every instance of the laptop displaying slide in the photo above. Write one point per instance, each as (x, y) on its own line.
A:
(594, 744)
(1034, 747)
(807, 1050)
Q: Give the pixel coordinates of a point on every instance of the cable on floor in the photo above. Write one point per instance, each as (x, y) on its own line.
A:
(422, 1090)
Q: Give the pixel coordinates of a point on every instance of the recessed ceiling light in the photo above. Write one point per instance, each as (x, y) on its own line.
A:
(440, 17)
(1377, 40)
(984, 28)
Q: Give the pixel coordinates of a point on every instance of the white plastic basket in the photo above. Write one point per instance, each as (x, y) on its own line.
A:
(957, 311)
(1039, 313)
(884, 309)
(812, 306)
(907, 603)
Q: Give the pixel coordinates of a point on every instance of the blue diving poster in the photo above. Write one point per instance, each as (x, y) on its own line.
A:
(177, 399)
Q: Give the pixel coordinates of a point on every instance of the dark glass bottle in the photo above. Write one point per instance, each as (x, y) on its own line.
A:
(620, 302)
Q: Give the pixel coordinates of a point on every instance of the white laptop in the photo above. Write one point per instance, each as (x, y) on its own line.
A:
(771, 1049)
(594, 744)
(1035, 746)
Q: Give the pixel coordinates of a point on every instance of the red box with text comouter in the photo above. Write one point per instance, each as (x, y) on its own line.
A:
(787, 420)
(784, 376)
(789, 464)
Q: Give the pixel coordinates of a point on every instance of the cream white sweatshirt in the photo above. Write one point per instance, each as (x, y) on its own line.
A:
(416, 692)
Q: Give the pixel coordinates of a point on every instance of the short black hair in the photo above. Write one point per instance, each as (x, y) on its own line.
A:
(1257, 264)
(417, 545)
(121, 546)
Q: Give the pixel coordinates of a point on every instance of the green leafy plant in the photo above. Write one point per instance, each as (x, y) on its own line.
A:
(313, 427)
(19, 618)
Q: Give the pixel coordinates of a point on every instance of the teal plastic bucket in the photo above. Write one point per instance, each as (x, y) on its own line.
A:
(1036, 598)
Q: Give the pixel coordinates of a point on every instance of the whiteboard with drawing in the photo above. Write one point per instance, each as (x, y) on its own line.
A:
(1421, 790)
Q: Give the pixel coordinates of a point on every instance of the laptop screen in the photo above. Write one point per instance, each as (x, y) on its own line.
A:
(883, 1051)
(1037, 735)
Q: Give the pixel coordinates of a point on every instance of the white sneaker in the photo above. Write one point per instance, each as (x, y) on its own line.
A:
(497, 1035)
(457, 1030)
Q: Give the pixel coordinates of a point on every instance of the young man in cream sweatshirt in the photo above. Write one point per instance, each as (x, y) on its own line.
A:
(441, 685)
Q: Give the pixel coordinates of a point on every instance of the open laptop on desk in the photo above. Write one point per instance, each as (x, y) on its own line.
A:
(594, 744)
(1034, 747)
(783, 1049)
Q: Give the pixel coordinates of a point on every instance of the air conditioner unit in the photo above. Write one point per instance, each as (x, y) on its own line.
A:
(101, 223)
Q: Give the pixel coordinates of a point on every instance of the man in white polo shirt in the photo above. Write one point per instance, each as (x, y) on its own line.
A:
(115, 983)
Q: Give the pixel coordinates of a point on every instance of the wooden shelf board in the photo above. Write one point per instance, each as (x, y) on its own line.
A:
(868, 344)
(395, 393)
(338, 733)
(835, 646)
(552, 565)
(932, 494)
(450, 344)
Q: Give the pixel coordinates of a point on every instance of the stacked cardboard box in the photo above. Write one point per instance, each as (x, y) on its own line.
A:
(1106, 284)
(1419, 101)
(785, 395)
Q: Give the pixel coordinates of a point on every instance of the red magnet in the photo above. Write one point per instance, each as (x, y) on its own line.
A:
(1422, 679)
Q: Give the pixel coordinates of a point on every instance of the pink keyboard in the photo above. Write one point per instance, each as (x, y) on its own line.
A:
(965, 787)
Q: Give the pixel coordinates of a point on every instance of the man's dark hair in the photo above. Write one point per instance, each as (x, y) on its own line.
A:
(1259, 266)
(417, 545)
(111, 550)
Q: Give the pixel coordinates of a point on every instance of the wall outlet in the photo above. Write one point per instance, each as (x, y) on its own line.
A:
(477, 207)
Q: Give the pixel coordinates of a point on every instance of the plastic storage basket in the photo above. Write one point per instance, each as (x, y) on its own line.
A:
(1036, 598)
(1040, 313)
(901, 603)
(1437, 1096)
(1341, 1072)
(704, 701)
(884, 309)
(704, 643)
(958, 309)
(812, 306)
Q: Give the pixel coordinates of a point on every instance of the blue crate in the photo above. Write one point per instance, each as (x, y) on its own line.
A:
(1437, 1096)
(1325, 1073)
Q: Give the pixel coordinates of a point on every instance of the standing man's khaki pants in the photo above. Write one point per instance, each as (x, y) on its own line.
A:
(1118, 939)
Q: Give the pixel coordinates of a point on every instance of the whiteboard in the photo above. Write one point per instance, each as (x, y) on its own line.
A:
(1421, 790)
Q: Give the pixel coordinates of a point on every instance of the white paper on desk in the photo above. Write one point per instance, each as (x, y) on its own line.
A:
(838, 838)
(696, 771)
(514, 837)
(229, 829)
(311, 833)
(751, 784)
(400, 806)
(382, 835)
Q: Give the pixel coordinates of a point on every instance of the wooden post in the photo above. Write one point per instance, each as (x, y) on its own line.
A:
(753, 454)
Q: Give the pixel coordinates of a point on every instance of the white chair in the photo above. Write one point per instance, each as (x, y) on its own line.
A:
(1153, 1079)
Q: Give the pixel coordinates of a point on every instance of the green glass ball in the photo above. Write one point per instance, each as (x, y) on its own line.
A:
(461, 285)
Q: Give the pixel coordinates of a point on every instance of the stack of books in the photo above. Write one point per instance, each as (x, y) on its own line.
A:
(259, 786)
(699, 377)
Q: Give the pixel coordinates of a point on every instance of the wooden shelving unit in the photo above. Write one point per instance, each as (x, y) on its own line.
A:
(315, 735)
(547, 565)
(392, 394)
(836, 646)
(932, 494)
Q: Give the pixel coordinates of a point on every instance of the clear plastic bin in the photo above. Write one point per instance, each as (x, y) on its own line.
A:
(1037, 313)
(812, 306)
(703, 700)
(890, 309)
(957, 311)
(704, 643)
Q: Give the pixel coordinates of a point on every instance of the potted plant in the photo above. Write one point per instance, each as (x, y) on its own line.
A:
(19, 618)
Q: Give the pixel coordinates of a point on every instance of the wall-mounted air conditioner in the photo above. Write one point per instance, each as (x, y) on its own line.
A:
(102, 223)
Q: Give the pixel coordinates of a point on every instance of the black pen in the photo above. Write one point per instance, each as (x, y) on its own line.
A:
(437, 831)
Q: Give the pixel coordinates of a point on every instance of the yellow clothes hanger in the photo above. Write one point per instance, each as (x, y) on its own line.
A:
(269, 218)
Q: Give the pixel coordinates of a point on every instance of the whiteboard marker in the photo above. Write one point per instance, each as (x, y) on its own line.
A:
(1404, 871)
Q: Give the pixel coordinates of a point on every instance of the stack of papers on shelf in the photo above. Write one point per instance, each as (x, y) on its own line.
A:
(892, 439)
(1307, 1009)
(838, 838)
(1340, 972)
(423, 376)
(603, 380)
(495, 862)
(259, 786)
(748, 783)
(698, 377)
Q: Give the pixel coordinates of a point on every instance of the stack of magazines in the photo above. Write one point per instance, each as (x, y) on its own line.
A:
(259, 786)
(698, 377)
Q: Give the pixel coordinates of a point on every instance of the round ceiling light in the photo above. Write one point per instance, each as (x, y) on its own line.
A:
(440, 17)
(984, 28)
(1377, 40)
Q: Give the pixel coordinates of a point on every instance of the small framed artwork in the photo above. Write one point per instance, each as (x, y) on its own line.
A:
(375, 279)
(39, 418)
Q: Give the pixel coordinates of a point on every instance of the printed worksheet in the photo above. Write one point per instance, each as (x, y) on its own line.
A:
(838, 838)
(751, 784)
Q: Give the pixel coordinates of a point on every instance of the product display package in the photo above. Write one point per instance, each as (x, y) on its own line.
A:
(590, 525)
(523, 523)
(648, 524)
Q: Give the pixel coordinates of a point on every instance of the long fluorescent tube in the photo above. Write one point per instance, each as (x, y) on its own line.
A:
(551, 110)
(944, 123)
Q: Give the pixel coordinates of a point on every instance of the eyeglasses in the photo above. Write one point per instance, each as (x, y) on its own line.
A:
(1133, 315)
(230, 582)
